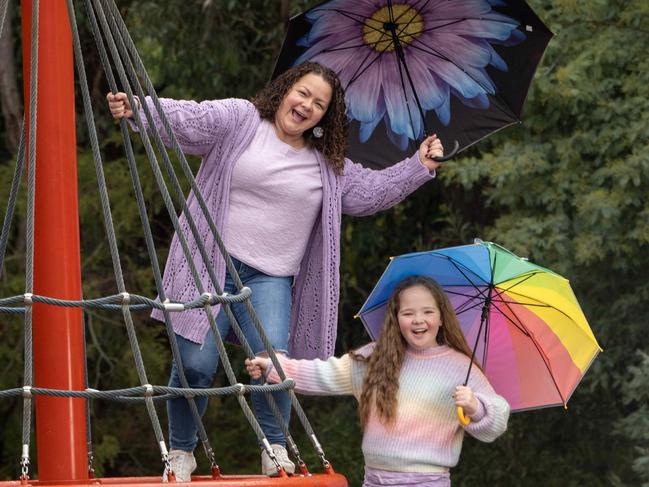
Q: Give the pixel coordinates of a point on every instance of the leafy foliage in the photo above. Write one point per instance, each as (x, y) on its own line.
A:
(568, 189)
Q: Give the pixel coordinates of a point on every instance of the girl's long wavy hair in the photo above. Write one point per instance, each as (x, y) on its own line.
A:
(333, 144)
(381, 383)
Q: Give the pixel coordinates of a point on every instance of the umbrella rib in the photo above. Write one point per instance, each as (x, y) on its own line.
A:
(523, 278)
(484, 320)
(401, 60)
(469, 297)
(417, 11)
(350, 15)
(541, 352)
(397, 52)
(543, 304)
(538, 303)
(458, 266)
(493, 269)
(485, 352)
(518, 325)
(457, 21)
(502, 105)
(461, 285)
(359, 72)
(473, 306)
(538, 349)
(451, 21)
(411, 8)
(360, 18)
(355, 46)
(479, 290)
(459, 309)
(409, 22)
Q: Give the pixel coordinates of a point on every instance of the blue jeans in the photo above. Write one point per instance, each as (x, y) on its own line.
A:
(271, 299)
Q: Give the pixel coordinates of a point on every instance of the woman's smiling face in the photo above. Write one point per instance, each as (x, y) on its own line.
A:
(419, 317)
(303, 107)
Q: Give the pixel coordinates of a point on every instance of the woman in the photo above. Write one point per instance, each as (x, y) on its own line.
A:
(276, 179)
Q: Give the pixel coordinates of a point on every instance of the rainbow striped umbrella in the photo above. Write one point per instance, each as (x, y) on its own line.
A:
(526, 327)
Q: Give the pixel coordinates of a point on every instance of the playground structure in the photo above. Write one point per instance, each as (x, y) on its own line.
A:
(55, 383)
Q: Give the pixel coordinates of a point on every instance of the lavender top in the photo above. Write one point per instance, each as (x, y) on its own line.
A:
(219, 131)
(275, 197)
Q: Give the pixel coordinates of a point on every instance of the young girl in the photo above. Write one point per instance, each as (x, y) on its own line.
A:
(407, 387)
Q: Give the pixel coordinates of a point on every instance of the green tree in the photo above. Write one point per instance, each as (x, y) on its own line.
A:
(568, 189)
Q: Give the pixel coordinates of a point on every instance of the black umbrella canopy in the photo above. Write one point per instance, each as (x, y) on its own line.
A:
(459, 69)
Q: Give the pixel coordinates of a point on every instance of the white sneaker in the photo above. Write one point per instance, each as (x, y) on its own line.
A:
(182, 464)
(268, 466)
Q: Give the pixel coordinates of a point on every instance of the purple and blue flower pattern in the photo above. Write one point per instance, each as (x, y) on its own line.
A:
(446, 45)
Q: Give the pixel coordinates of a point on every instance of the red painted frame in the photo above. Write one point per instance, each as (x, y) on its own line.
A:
(57, 332)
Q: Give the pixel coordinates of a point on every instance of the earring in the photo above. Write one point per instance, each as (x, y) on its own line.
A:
(318, 132)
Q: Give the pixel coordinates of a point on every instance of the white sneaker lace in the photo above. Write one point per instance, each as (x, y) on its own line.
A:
(182, 464)
(282, 456)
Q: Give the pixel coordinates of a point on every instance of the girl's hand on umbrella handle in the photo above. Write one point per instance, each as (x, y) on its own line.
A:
(464, 420)
(256, 367)
(119, 105)
(430, 149)
(466, 402)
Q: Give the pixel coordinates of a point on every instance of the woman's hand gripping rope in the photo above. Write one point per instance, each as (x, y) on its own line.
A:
(119, 105)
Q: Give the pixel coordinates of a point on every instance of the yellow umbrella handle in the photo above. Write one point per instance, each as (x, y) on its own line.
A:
(464, 420)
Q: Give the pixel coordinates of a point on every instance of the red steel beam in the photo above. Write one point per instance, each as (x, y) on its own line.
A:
(315, 480)
(58, 332)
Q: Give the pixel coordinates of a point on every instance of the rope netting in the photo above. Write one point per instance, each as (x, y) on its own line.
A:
(123, 67)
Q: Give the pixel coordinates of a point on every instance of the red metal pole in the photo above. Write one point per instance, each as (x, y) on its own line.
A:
(58, 332)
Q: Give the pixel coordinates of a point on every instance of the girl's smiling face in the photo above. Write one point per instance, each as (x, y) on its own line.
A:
(419, 317)
(303, 107)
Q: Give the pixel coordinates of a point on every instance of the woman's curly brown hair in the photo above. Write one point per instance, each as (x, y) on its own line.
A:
(333, 144)
(381, 384)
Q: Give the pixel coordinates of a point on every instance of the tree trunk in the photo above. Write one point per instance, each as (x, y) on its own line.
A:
(9, 95)
(285, 11)
(284, 17)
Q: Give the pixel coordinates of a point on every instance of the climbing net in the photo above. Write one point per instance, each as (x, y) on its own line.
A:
(118, 54)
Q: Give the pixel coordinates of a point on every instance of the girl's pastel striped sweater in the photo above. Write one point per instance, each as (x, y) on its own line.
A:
(426, 435)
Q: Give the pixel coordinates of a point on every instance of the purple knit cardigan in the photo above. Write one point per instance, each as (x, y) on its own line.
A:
(219, 131)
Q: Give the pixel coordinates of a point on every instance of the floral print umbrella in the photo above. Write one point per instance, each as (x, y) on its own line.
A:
(410, 68)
